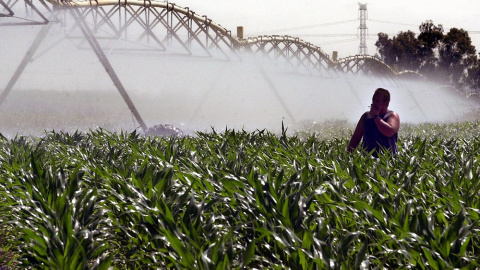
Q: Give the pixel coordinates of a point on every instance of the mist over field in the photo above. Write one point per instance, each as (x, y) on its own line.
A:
(66, 88)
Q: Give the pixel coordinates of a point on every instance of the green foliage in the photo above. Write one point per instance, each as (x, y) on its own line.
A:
(449, 58)
(237, 199)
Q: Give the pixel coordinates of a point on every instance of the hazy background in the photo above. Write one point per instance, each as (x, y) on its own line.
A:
(65, 88)
(312, 19)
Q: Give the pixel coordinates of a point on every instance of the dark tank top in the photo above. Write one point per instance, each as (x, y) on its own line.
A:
(373, 139)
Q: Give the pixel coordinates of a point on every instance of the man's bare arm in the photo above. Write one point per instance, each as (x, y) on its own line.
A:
(389, 127)
(357, 135)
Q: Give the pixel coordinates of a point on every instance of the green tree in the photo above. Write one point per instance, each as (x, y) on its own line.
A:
(429, 37)
(407, 50)
(402, 50)
(450, 57)
(473, 77)
(457, 56)
(385, 49)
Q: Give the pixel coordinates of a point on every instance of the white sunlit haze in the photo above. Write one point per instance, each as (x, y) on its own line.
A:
(195, 93)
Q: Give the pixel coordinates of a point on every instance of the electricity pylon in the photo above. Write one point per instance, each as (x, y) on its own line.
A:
(362, 15)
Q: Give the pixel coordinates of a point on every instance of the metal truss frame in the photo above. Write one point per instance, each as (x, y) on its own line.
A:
(154, 26)
(106, 64)
(367, 65)
(10, 12)
(298, 53)
(163, 23)
(9, 5)
(81, 23)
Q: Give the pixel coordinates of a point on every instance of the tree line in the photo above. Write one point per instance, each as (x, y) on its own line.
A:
(448, 58)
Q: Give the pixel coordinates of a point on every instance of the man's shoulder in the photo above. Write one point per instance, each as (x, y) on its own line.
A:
(391, 113)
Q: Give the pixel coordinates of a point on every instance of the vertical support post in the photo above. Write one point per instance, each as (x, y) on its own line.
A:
(106, 64)
(335, 56)
(395, 68)
(240, 32)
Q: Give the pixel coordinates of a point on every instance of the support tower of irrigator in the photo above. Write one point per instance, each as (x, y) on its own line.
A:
(362, 15)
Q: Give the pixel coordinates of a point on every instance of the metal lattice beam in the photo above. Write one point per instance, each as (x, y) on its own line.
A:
(157, 27)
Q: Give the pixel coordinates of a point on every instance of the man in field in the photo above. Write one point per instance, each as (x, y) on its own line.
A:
(377, 128)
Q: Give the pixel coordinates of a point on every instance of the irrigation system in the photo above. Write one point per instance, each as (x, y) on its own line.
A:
(167, 28)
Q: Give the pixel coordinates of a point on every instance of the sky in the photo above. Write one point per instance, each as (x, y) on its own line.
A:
(333, 25)
(310, 19)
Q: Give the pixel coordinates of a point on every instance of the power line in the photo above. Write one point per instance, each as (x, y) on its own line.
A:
(333, 35)
(325, 35)
(306, 27)
(326, 24)
(349, 35)
(470, 32)
(392, 22)
(337, 35)
(338, 41)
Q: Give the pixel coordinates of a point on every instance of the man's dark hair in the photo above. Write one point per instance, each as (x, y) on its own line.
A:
(384, 92)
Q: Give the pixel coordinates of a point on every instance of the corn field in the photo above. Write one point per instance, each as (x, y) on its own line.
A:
(240, 200)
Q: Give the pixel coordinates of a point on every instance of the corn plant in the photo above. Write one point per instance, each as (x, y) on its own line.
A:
(237, 199)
